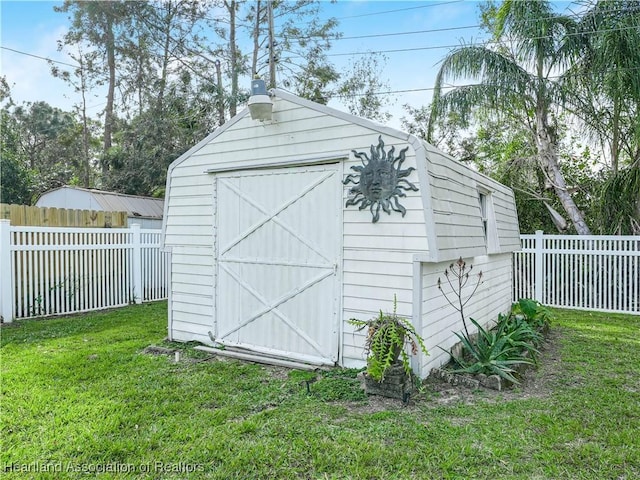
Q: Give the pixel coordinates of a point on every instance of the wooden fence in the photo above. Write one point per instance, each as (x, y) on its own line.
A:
(594, 272)
(53, 271)
(23, 215)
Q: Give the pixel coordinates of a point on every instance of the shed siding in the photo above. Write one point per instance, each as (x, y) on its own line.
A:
(189, 232)
(456, 210)
(377, 258)
(192, 299)
(440, 320)
(372, 279)
(190, 213)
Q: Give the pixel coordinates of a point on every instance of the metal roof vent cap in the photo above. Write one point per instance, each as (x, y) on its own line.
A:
(260, 104)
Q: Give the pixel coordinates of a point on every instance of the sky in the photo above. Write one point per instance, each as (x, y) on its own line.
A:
(412, 60)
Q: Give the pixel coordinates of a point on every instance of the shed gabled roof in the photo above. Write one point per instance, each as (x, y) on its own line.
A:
(289, 97)
(134, 205)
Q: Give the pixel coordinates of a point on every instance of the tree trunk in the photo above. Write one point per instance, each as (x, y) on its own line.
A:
(548, 159)
(272, 53)
(166, 50)
(256, 42)
(108, 111)
(219, 94)
(233, 53)
(615, 141)
(86, 165)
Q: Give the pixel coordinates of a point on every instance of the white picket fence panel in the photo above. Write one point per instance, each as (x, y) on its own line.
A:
(587, 272)
(154, 266)
(55, 270)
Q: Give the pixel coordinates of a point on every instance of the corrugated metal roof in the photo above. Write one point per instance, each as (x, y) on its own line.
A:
(134, 205)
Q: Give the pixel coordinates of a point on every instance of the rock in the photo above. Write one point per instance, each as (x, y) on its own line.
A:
(491, 381)
(494, 382)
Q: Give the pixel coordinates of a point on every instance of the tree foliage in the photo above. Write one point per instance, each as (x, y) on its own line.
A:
(49, 143)
(16, 180)
(608, 106)
(171, 71)
(360, 88)
(606, 79)
(159, 57)
(545, 71)
(107, 27)
(620, 203)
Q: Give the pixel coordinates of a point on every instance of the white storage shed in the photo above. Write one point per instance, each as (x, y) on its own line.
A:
(282, 230)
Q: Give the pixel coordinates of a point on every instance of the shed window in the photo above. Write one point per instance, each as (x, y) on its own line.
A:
(488, 218)
(483, 212)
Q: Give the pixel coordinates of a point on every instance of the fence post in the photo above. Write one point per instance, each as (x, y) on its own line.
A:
(538, 256)
(137, 262)
(6, 275)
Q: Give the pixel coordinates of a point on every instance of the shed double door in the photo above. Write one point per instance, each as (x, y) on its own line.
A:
(278, 248)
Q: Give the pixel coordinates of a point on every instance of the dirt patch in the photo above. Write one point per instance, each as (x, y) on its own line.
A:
(536, 383)
(276, 372)
(155, 350)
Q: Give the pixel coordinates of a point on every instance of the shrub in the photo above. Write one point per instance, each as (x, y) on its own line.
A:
(536, 314)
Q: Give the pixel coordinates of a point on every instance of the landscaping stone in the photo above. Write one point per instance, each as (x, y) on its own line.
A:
(454, 378)
(493, 382)
(396, 383)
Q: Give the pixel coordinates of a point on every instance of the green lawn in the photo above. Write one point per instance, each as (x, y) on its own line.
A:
(79, 396)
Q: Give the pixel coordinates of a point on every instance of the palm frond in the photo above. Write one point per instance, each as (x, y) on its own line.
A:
(501, 83)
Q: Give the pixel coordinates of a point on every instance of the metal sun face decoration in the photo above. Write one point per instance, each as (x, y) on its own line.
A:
(379, 182)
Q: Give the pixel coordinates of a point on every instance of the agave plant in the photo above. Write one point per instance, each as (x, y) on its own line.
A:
(493, 352)
(519, 329)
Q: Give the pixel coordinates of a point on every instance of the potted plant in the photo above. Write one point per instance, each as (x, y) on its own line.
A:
(388, 339)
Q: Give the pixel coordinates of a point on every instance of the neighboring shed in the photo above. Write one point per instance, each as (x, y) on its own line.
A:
(146, 211)
(276, 245)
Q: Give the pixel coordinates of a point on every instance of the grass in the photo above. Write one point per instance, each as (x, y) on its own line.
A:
(79, 397)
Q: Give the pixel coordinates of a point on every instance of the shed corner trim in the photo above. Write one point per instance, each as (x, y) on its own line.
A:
(422, 163)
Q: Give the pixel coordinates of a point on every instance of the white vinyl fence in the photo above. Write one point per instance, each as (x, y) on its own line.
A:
(594, 272)
(57, 270)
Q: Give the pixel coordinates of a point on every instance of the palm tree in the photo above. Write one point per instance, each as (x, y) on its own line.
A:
(521, 78)
(607, 80)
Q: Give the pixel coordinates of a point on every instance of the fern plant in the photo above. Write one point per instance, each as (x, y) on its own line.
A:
(388, 335)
